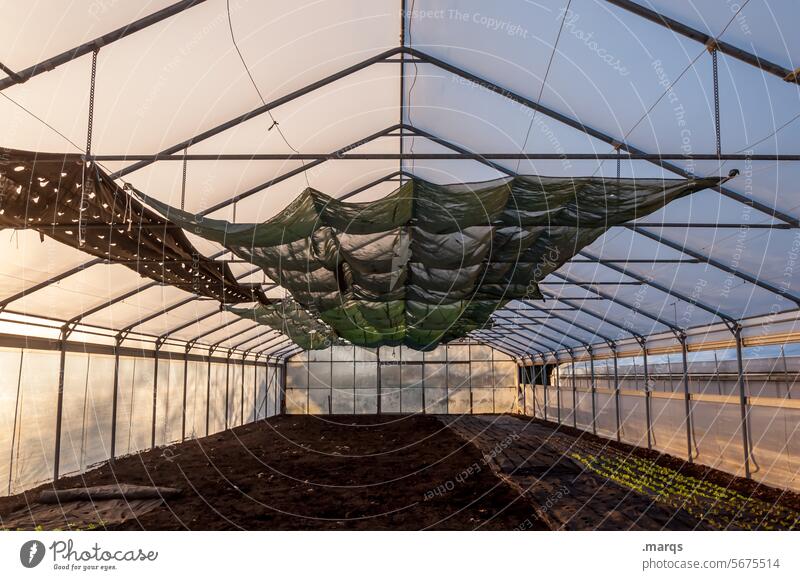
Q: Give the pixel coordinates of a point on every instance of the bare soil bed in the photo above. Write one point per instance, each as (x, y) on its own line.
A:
(319, 473)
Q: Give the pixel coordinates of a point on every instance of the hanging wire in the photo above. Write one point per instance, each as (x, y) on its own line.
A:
(544, 81)
(671, 85)
(413, 83)
(275, 125)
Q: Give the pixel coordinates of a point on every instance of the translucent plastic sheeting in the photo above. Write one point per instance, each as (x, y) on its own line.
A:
(196, 399)
(29, 404)
(169, 401)
(218, 397)
(410, 382)
(87, 409)
(30, 395)
(248, 394)
(774, 431)
(235, 391)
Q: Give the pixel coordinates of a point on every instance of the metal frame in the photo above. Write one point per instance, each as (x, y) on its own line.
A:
(706, 40)
(402, 55)
(104, 40)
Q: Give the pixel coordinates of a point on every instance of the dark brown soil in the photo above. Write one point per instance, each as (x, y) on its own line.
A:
(318, 473)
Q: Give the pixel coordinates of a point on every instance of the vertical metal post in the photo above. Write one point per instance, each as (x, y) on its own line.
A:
(574, 390)
(424, 370)
(115, 399)
(447, 381)
(743, 408)
(185, 390)
(378, 386)
(558, 390)
(241, 411)
(469, 358)
(544, 387)
(594, 391)
(59, 406)
(255, 390)
(16, 419)
(494, 383)
(647, 396)
(155, 399)
(617, 397)
(283, 387)
(686, 396)
(208, 394)
(227, 386)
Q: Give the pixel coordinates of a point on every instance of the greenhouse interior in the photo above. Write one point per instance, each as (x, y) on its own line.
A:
(405, 264)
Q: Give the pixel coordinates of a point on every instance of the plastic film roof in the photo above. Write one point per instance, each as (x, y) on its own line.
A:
(550, 77)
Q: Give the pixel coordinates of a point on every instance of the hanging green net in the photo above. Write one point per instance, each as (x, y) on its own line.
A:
(428, 263)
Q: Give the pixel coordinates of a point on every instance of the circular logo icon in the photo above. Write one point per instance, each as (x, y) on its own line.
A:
(31, 553)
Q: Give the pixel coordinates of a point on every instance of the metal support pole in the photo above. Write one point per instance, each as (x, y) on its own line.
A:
(241, 411)
(155, 399)
(283, 388)
(737, 333)
(185, 384)
(115, 401)
(617, 397)
(574, 391)
(378, 387)
(59, 405)
(227, 386)
(647, 398)
(208, 395)
(558, 390)
(594, 391)
(544, 387)
(686, 396)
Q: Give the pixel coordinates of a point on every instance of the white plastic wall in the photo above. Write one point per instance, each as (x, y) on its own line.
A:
(715, 418)
(29, 405)
(452, 379)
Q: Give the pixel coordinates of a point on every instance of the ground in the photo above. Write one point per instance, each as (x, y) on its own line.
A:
(424, 472)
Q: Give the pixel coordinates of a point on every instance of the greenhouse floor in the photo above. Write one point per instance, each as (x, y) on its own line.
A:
(323, 473)
(414, 472)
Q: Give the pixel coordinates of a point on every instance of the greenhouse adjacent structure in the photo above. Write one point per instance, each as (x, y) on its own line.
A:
(253, 238)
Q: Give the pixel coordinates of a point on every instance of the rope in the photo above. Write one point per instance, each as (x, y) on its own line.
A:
(183, 180)
(91, 102)
(275, 125)
(715, 67)
(544, 81)
(89, 129)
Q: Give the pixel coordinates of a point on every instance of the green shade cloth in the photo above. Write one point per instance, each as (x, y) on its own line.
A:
(430, 263)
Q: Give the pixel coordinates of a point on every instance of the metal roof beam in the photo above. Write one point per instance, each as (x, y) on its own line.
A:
(262, 109)
(592, 132)
(658, 286)
(106, 39)
(717, 264)
(492, 345)
(706, 39)
(622, 303)
(44, 284)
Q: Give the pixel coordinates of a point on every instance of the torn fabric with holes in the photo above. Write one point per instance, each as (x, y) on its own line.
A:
(76, 203)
